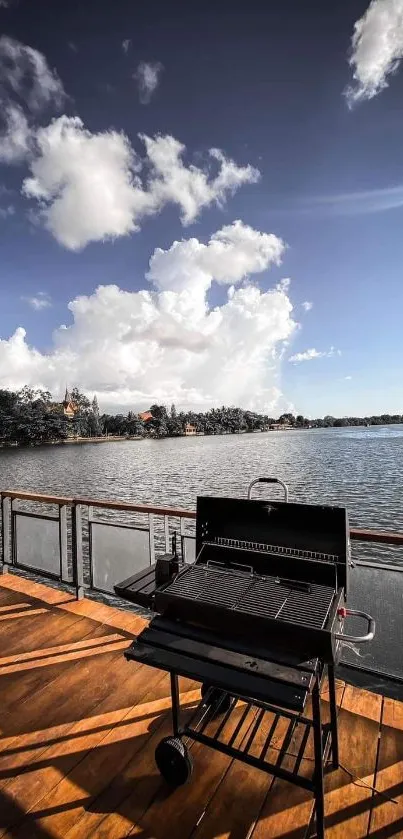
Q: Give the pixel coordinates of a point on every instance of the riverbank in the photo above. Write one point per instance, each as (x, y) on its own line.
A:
(71, 441)
(111, 439)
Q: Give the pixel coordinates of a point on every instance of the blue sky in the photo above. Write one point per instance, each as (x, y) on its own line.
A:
(314, 169)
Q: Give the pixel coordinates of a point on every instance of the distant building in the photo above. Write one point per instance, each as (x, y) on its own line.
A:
(69, 407)
(189, 430)
(285, 425)
(145, 416)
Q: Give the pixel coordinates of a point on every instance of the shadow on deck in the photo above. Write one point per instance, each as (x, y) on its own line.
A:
(79, 726)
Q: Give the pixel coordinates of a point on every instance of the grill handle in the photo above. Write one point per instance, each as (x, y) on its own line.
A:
(268, 481)
(356, 639)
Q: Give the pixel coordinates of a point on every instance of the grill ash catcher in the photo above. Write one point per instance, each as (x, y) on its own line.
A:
(258, 619)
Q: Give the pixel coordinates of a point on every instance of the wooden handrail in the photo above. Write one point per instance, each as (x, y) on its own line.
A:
(35, 496)
(127, 506)
(124, 506)
(357, 534)
(388, 538)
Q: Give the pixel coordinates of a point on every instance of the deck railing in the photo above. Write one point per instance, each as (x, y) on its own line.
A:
(93, 543)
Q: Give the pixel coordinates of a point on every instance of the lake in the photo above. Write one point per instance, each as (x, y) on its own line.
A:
(360, 468)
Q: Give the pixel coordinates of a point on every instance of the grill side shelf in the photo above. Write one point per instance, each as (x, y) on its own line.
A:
(267, 652)
(247, 663)
(233, 681)
(139, 588)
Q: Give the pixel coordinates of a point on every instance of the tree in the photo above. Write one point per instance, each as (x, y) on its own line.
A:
(287, 418)
(94, 422)
(158, 425)
(81, 401)
(134, 426)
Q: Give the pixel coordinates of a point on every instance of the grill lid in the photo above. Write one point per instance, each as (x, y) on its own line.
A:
(261, 528)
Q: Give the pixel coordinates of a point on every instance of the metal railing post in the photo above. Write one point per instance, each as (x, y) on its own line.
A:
(64, 568)
(77, 544)
(166, 533)
(6, 554)
(151, 535)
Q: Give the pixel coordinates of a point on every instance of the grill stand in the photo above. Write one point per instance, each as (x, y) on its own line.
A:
(172, 753)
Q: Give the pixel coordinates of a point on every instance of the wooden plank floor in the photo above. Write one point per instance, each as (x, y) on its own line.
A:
(79, 725)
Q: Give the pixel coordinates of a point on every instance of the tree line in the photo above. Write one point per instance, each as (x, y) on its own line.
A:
(31, 417)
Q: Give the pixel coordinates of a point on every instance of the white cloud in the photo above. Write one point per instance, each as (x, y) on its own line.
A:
(166, 343)
(85, 183)
(147, 77)
(39, 301)
(311, 354)
(348, 378)
(359, 203)
(6, 212)
(189, 186)
(232, 253)
(24, 72)
(376, 48)
(15, 137)
(126, 44)
(307, 305)
(89, 189)
(72, 46)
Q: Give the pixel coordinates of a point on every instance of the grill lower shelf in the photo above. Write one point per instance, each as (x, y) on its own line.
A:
(261, 738)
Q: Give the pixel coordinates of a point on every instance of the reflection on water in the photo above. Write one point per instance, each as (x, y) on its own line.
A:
(358, 468)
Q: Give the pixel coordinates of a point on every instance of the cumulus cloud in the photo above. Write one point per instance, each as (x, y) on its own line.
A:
(88, 186)
(165, 343)
(311, 354)
(15, 136)
(147, 77)
(25, 73)
(307, 305)
(126, 44)
(39, 301)
(190, 187)
(376, 49)
(234, 252)
(85, 183)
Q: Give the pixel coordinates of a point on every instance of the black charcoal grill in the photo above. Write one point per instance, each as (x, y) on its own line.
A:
(258, 617)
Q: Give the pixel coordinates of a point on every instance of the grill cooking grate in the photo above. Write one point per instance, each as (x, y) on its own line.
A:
(254, 595)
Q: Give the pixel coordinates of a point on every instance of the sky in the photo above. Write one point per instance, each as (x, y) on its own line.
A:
(203, 204)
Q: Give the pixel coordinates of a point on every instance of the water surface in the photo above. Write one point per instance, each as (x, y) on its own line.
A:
(360, 468)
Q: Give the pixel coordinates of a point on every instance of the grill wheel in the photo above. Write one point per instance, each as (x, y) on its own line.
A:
(173, 761)
(217, 697)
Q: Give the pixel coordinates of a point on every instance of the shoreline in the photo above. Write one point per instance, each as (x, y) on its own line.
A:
(136, 438)
(71, 441)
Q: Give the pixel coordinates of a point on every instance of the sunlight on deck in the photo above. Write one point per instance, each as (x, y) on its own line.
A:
(79, 726)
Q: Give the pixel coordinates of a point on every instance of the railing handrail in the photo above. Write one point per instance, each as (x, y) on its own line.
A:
(356, 534)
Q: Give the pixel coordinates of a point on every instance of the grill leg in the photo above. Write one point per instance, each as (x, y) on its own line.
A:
(333, 717)
(318, 776)
(175, 703)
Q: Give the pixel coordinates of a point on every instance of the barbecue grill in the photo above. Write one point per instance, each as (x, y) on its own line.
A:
(259, 617)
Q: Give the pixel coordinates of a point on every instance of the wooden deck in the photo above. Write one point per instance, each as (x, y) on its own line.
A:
(79, 725)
